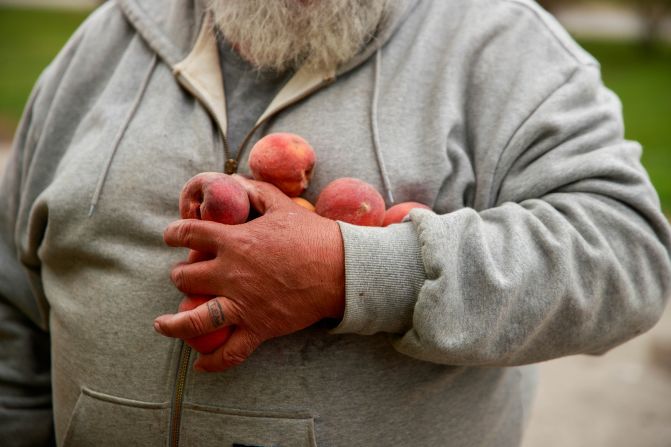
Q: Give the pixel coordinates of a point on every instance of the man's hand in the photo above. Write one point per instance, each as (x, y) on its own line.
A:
(271, 276)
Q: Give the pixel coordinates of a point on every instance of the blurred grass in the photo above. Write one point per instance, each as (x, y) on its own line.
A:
(642, 79)
(29, 39)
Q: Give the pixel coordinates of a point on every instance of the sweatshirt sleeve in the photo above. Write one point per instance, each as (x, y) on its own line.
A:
(25, 383)
(573, 256)
(26, 417)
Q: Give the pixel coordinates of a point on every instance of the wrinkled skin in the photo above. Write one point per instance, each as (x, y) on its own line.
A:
(272, 276)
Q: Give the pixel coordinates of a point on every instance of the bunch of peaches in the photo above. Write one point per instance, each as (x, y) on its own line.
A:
(286, 161)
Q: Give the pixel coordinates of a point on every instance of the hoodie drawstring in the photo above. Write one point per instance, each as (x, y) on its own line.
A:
(119, 135)
(375, 130)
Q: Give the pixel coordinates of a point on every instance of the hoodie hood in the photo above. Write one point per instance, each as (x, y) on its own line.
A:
(172, 32)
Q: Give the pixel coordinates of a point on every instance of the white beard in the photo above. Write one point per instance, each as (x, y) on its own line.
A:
(286, 34)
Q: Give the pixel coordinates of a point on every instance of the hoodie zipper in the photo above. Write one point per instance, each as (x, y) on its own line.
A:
(230, 167)
(248, 137)
(180, 381)
(231, 164)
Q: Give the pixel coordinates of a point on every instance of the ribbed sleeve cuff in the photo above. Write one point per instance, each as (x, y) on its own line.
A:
(383, 275)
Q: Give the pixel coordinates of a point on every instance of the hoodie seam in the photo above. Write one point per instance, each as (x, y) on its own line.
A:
(543, 21)
(496, 181)
(159, 43)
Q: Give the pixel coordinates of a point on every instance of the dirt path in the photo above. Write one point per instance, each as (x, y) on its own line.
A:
(621, 399)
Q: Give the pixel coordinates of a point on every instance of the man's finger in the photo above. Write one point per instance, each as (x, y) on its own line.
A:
(200, 278)
(206, 318)
(235, 351)
(200, 235)
(199, 256)
(262, 196)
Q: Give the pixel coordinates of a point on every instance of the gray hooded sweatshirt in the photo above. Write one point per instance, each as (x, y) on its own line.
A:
(546, 238)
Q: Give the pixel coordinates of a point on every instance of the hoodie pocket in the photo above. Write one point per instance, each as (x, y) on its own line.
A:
(205, 426)
(103, 420)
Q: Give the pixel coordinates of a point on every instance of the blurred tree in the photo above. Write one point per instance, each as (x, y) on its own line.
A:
(554, 5)
(651, 12)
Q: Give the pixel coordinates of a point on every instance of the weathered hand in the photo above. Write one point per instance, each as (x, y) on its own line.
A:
(272, 276)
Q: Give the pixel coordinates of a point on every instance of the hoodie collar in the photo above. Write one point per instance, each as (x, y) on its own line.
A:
(171, 29)
(182, 35)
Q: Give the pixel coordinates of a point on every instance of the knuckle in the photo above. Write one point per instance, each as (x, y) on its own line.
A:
(224, 240)
(195, 323)
(225, 276)
(254, 341)
(244, 242)
(237, 274)
(232, 358)
(178, 278)
(185, 232)
(240, 353)
(230, 235)
(239, 310)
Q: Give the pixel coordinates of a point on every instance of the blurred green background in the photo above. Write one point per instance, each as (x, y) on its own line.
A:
(638, 70)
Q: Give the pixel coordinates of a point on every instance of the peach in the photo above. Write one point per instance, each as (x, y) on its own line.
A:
(353, 201)
(284, 160)
(214, 196)
(304, 203)
(398, 212)
(209, 342)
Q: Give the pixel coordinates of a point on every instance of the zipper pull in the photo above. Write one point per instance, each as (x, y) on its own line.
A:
(231, 166)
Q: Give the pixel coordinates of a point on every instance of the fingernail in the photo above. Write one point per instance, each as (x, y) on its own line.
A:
(157, 327)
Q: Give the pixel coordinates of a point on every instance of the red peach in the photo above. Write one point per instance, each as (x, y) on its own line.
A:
(214, 196)
(209, 342)
(304, 203)
(285, 160)
(353, 201)
(398, 212)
